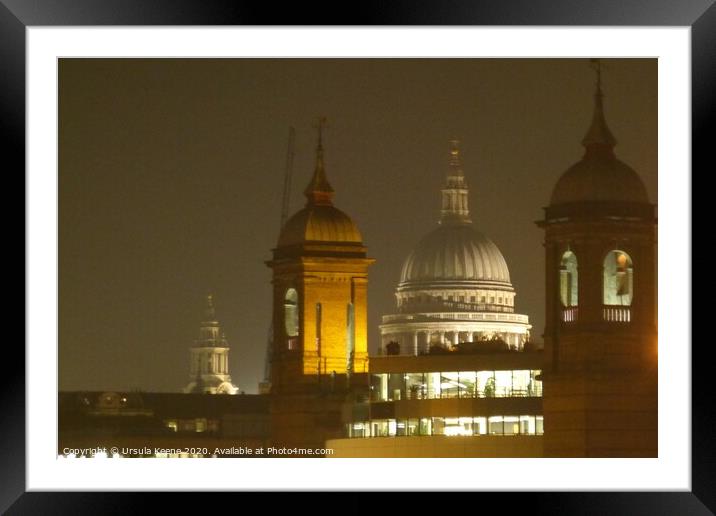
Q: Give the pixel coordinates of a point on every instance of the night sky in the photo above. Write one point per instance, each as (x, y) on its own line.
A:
(171, 178)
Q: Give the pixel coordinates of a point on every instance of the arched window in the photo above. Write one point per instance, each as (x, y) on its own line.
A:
(618, 279)
(568, 280)
(290, 308)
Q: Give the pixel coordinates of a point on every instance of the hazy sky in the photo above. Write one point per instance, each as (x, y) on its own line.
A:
(171, 178)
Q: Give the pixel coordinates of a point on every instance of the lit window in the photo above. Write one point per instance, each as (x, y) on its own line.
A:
(511, 425)
(291, 312)
(496, 425)
(485, 387)
(527, 425)
(413, 427)
(426, 427)
(568, 279)
(503, 384)
(480, 426)
(618, 279)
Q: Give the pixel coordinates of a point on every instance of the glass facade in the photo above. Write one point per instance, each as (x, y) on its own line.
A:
(462, 384)
(448, 426)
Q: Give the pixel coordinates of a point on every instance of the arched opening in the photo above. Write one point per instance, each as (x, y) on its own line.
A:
(568, 280)
(618, 279)
(290, 308)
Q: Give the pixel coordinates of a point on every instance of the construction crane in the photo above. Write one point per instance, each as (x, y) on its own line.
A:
(285, 206)
(287, 177)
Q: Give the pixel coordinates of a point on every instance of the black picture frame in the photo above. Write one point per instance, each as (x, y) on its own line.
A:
(17, 15)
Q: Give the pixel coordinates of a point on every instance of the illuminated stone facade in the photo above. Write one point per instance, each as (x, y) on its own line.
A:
(320, 276)
(320, 341)
(209, 360)
(455, 285)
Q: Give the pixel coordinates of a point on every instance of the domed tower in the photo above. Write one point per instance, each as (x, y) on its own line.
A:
(600, 383)
(209, 362)
(455, 285)
(320, 275)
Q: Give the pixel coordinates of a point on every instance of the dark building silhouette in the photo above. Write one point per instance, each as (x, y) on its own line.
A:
(600, 380)
(151, 424)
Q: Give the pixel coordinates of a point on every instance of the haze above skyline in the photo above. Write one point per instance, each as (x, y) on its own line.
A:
(171, 178)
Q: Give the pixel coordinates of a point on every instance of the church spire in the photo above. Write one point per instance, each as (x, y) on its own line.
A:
(319, 190)
(598, 136)
(454, 194)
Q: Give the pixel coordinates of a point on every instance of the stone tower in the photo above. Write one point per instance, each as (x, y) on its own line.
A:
(600, 378)
(209, 357)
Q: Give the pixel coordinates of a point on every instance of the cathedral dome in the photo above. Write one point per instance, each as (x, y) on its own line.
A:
(454, 286)
(319, 223)
(455, 253)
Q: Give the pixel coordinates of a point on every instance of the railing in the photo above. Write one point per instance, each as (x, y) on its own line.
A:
(452, 316)
(617, 314)
(433, 394)
(433, 305)
(570, 314)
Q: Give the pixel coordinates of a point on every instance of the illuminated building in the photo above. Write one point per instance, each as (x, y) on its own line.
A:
(320, 348)
(600, 382)
(455, 285)
(209, 358)
(483, 403)
(455, 375)
(320, 276)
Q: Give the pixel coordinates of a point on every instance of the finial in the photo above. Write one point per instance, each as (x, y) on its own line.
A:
(598, 138)
(454, 160)
(319, 124)
(209, 312)
(596, 65)
(319, 190)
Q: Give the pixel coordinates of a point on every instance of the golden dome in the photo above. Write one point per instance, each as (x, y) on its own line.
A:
(319, 223)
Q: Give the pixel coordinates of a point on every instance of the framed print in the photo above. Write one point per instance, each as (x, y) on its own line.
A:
(371, 257)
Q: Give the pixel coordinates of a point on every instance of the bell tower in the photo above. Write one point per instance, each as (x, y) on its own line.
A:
(600, 375)
(209, 362)
(320, 276)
